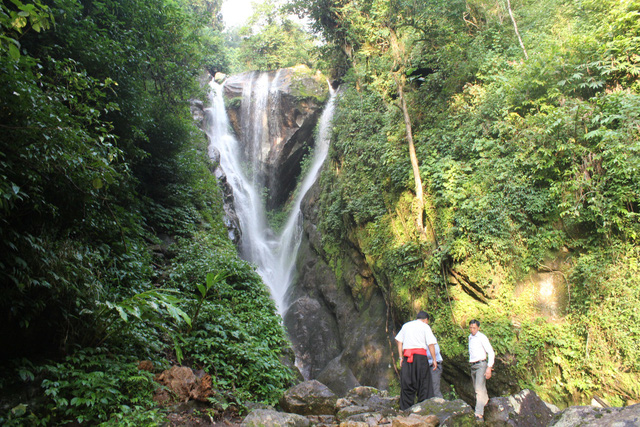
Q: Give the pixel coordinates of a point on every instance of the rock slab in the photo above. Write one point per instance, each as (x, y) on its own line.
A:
(309, 398)
(521, 409)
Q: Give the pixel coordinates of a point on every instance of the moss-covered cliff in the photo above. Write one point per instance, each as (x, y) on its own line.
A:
(529, 167)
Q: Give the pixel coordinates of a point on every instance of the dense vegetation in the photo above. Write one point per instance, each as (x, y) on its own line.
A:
(524, 118)
(525, 121)
(112, 242)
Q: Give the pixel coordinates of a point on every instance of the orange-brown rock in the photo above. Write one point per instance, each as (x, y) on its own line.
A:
(184, 384)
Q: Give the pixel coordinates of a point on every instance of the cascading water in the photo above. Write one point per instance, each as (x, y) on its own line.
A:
(273, 254)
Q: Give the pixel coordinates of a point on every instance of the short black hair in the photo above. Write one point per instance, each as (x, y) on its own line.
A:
(474, 322)
(422, 315)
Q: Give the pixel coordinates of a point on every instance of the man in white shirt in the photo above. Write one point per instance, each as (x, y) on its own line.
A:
(481, 358)
(413, 340)
(436, 373)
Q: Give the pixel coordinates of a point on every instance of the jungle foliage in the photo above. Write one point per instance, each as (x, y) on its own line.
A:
(113, 247)
(270, 39)
(530, 167)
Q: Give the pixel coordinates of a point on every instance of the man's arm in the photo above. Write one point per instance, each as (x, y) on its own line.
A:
(432, 350)
(491, 355)
(399, 348)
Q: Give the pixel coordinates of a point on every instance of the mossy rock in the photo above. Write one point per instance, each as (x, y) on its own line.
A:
(306, 83)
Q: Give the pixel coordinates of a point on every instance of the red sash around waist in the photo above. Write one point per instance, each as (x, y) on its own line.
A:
(408, 353)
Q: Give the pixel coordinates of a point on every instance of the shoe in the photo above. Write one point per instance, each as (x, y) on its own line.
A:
(479, 419)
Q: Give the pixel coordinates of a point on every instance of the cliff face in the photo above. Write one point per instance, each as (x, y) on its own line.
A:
(294, 100)
(338, 325)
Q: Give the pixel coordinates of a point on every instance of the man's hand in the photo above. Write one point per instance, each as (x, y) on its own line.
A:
(487, 373)
(435, 365)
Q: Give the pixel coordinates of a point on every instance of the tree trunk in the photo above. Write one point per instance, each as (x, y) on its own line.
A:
(419, 199)
(515, 27)
(414, 160)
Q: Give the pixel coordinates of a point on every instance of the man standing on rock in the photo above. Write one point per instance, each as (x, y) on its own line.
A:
(479, 351)
(413, 340)
(436, 373)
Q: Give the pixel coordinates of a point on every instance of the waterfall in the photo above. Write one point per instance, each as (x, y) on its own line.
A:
(274, 254)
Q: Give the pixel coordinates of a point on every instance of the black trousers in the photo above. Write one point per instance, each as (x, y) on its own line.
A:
(415, 378)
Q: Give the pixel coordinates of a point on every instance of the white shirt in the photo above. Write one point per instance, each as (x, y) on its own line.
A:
(438, 355)
(480, 348)
(416, 334)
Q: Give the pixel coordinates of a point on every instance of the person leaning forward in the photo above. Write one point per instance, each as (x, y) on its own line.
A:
(413, 340)
(481, 357)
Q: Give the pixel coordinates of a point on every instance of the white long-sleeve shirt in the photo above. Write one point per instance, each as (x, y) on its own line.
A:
(480, 349)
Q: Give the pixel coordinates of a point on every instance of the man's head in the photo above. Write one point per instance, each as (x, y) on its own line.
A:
(422, 315)
(474, 325)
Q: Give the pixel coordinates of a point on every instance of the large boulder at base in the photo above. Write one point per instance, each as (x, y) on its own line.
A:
(521, 409)
(271, 418)
(589, 416)
(338, 377)
(443, 409)
(415, 420)
(309, 398)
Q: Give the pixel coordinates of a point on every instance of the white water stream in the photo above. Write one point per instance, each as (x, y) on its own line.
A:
(273, 254)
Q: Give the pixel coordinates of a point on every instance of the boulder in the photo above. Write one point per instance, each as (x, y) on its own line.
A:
(415, 420)
(524, 408)
(314, 335)
(366, 399)
(271, 418)
(309, 398)
(364, 419)
(589, 416)
(338, 377)
(443, 409)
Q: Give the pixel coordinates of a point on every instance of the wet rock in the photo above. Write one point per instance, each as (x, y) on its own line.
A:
(271, 418)
(295, 101)
(309, 398)
(314, 335)
(338, 377)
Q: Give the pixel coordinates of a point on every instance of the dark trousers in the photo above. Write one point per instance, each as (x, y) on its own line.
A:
(415, 378)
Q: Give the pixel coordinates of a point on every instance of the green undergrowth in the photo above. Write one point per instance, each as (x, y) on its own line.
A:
(113, 246)
(529, 167)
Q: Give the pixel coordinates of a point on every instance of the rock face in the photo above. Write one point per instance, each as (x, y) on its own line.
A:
(274, 115)
(336, 331)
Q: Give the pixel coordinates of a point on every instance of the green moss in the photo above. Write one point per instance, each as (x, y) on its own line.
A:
(306, 83)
